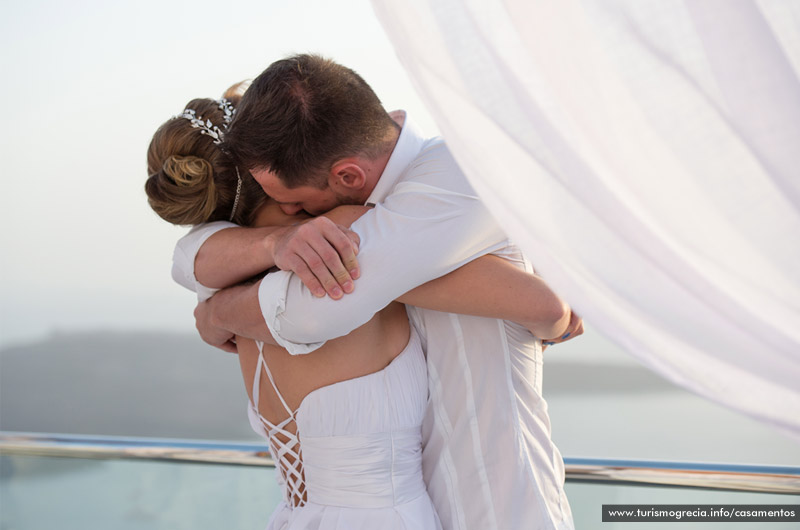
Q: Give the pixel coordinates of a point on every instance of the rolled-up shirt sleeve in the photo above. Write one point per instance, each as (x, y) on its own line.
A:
(419, 233)
(185, 253)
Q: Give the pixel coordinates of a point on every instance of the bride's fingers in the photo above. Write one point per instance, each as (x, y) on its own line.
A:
(574, 329)
(579, 329)
(575, 326)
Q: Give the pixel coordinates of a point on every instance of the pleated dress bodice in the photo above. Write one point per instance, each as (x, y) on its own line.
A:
(355, 459)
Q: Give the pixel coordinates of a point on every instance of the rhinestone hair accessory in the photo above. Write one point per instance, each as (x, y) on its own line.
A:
(238, 193)
(205, 126)
(209, 129)
(227, 111)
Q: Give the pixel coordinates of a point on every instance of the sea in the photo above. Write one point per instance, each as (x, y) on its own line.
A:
(602, 403)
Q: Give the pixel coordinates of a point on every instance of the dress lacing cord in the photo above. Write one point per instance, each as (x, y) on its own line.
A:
(285, 451)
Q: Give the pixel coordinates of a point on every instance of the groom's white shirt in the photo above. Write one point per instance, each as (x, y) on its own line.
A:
(488, 459)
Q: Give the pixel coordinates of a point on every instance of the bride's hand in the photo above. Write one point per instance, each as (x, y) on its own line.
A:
(574, 329)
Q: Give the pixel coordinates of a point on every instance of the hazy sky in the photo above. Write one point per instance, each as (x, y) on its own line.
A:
(85, 85)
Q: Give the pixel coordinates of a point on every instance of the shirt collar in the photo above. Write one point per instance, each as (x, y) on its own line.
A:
(408, 146)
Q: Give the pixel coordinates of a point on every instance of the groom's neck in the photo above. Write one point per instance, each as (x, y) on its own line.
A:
(374, 167)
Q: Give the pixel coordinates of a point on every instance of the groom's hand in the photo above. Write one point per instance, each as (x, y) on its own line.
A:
(321, 253)
(209, 332)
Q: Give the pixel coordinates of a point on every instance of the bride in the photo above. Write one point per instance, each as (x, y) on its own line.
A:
(343, 422)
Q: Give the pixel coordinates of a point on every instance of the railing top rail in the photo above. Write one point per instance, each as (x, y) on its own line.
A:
(740, 477)
(133, 448)
(677, 465)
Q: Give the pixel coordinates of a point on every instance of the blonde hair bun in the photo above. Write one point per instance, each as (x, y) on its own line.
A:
(187, 190)
(191, 179)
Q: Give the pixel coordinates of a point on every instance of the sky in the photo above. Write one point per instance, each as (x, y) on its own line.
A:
(85, 85)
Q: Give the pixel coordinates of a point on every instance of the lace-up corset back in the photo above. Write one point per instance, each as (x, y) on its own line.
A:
(358, 442)
(284, 444)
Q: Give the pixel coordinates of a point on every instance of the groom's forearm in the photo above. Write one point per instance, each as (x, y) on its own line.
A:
(234, 310)
(234, 255)
(401, 248)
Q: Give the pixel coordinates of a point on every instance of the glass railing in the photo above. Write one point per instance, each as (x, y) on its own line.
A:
(66, 482)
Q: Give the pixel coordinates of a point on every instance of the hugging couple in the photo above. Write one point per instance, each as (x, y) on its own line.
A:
(389, 333)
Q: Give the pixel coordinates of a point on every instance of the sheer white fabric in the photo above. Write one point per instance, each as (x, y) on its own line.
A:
(645, 154)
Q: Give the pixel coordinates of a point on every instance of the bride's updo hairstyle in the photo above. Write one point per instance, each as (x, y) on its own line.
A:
(191, 178)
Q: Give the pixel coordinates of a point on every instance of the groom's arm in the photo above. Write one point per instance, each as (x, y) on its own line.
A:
(230, 312)
(414, 237)
(428, 227)
(221, 254)
(421, 232)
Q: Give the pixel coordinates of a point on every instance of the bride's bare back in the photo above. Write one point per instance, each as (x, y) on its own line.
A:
(365, 350)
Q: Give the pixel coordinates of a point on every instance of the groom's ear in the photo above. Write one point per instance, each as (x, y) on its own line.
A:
(347, 175)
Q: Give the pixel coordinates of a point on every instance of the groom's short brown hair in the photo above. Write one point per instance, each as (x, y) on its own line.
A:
(304, 113)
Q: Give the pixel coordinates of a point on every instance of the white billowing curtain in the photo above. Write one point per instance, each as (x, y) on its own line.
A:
(645, 154)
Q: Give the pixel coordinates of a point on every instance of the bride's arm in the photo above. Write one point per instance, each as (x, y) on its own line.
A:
(488, 286)
(492, 287)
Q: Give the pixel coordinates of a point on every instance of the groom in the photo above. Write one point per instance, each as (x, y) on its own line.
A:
(314, 135)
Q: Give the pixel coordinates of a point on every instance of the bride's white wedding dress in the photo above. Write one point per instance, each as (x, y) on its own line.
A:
(355, 462)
